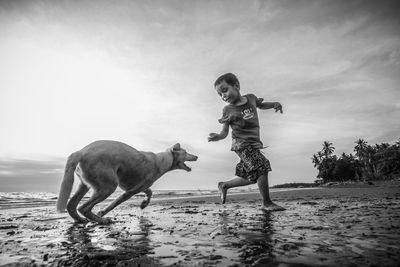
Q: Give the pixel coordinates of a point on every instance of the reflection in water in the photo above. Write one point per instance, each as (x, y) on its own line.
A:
(95, 245)
(253, 235)
(257, 239)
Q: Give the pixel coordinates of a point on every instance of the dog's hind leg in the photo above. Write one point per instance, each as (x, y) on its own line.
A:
(98, 196)
(74, 201)
(146, 201)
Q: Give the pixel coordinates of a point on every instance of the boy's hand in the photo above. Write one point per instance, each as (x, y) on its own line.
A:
(213, 137)
(278, 107)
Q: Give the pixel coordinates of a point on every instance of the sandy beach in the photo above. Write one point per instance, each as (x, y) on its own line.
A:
(339, 226)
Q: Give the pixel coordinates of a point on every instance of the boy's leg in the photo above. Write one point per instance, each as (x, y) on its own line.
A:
(235, 182)
(263, 186)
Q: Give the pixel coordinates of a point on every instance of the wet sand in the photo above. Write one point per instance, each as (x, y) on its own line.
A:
(349, 226)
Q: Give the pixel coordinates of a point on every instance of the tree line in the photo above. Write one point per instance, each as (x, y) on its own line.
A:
(369, 162)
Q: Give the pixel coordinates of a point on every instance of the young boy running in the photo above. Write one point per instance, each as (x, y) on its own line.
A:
(240, 114)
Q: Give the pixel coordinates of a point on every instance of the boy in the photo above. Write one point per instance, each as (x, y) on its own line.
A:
(241, 115)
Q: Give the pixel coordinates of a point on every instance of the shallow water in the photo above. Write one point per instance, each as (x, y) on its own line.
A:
(15, 200)
(322, 227)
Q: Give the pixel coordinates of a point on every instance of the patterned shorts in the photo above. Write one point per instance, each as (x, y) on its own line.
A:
(252, 164)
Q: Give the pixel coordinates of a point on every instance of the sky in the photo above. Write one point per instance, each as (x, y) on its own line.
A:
(142, 72)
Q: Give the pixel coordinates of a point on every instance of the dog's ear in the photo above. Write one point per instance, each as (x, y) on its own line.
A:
(176, 147)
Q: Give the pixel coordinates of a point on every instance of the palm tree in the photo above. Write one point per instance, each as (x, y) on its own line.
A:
(320, 155)
(361, 152)
(327, 148)
(316, 160)
(360, 148)
(366, 153)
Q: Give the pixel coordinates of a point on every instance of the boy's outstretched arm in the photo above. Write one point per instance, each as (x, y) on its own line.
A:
(224, 133)
(268, 105)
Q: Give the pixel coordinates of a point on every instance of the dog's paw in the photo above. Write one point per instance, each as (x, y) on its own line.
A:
(101, 213)
(105, 221)
(81, 221)
(144, 204)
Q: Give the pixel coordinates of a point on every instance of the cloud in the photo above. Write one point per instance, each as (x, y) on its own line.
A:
(143, 73)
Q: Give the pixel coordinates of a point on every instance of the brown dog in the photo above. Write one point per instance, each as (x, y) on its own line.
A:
(104, 165)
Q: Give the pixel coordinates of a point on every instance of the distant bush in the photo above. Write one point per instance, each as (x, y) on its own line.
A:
(295, 185)
(378, 162)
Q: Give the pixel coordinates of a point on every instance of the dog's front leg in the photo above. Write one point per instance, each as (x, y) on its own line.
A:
(122, 198)
(146, 202)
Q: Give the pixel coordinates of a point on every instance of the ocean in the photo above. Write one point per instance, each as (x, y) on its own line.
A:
(15, 200)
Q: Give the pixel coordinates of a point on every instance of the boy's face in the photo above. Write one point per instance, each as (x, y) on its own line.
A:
(227, 92)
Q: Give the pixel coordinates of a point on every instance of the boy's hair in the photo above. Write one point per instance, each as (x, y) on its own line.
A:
(229, 78)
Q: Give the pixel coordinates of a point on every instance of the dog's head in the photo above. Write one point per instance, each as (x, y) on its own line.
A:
(180, 156)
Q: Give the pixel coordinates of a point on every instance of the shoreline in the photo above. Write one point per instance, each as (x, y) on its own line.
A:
(155, 197)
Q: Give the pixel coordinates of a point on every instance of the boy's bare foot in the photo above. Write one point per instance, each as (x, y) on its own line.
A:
(222, 192)
(272, 207)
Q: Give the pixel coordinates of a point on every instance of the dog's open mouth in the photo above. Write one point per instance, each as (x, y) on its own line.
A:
(186, 167)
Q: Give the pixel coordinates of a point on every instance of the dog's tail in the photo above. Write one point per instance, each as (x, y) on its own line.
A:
(68, 180)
